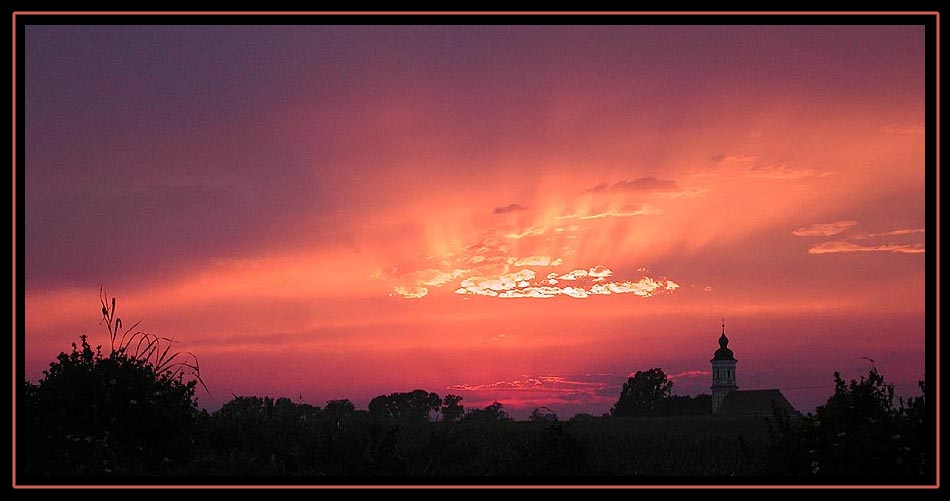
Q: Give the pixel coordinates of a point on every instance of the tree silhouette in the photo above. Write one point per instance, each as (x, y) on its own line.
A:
(857, 432)
(493, 413)
(643, 393)
(339, 410)
(413, 406)
(451, 409)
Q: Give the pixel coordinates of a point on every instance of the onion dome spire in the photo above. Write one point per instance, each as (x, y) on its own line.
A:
(723, 353)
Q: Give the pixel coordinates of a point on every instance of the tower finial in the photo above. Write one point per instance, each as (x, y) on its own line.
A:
(723, 325)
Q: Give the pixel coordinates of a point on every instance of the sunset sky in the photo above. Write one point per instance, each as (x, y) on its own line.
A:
(525, 214)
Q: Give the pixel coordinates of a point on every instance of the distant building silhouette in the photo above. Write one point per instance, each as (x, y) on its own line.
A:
(723, 372)
(754, 403)
(727, 400)
(543, 414)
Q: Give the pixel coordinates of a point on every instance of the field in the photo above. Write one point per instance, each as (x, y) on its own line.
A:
(687, 445)
(362, 446)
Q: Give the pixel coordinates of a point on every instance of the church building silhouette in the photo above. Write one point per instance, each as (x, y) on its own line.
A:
(728, 400)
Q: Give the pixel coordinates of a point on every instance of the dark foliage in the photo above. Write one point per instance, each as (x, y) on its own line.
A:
(134, 413)
(244, 434)
(411, 407)
(684, 405)
(583, 417)
(340, 409)
(643, 394)
(542, 414)
(452, 410)
(258, 436)
(95, 415)
(859, 432)
(648, 393)
(493, 413)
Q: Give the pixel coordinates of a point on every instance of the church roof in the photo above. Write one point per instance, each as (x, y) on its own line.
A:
(754, 403)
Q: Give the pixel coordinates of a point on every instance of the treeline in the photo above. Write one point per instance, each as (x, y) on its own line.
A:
(263, 436)
(105, 415)
(649, 393)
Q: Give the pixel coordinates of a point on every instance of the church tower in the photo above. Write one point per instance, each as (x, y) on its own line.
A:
(723, 372)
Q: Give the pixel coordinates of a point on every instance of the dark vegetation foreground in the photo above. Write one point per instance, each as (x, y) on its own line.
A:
(134, 413)
(289, 439)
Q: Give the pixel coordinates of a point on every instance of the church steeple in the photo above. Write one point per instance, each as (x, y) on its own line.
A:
(723, 353)
(723, 371)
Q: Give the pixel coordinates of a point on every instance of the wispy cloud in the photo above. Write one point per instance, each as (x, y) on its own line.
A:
(500, 283)
(824, 229)
(529, 232)
(433, 277)
(894, 233)
(535, 261)
(490, 268)
(547, 390)
(543, 291)
(665, 188)
(684, 193)
(502, 338)
(751, 166)
(509, 208)
(546, 383)
(781, 171)
(411, 292)
(644, 287)
(904, 129)
(573, 275)
(523, 284)
(600, 271)
(723, 158)
(848, 247)
(625, 210)
(641, 184)
(687, 375)
(724, 162)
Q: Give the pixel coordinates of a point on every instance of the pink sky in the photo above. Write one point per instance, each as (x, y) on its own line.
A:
(527, 214)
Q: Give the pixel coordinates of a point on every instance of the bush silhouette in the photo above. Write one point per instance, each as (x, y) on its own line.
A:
(99, 415)
(859, 432)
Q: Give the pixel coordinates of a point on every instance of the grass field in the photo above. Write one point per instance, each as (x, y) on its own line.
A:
(688, 445)
(684, 446)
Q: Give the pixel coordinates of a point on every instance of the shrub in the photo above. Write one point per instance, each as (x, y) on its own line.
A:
(132, 412)
(859, 432)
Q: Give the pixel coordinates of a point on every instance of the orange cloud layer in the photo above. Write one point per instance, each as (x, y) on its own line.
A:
(848, 247)
(824, 229)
